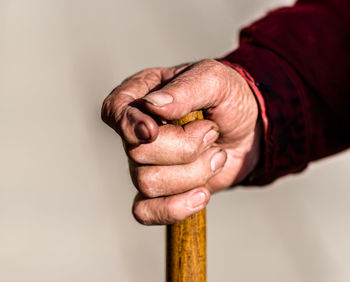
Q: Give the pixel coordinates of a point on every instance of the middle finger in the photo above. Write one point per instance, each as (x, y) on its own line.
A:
(155, 181)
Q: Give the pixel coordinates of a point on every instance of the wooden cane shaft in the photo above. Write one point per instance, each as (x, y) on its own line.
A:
(186, 249)
(186, 240)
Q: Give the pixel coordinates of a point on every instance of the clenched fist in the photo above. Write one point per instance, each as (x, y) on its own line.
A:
(174, 168)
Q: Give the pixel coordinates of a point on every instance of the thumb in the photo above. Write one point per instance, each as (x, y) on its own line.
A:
(202, 86)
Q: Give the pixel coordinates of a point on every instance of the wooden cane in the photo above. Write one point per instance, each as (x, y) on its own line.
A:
(186, 240)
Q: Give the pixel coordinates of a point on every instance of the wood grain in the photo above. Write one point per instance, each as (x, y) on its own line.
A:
(186, 240)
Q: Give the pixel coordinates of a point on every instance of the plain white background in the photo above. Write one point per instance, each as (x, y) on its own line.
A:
(65, 193)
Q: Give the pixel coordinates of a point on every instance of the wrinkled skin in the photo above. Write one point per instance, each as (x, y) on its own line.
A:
(175, 169)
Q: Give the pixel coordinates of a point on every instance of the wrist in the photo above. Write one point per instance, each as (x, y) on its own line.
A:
(254, 142)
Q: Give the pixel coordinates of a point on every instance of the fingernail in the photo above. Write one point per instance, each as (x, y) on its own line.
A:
(142, 132)
(159, 99)
(218, 161)
(197, 199)
(210, 137)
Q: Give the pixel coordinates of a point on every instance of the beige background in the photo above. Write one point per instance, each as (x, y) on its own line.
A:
(65, 193)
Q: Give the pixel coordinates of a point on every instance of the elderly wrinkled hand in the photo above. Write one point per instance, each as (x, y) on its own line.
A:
(174, 168)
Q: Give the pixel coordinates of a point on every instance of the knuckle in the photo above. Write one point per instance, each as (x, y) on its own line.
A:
(152, 76)
(106, 109)
(112, 112)
(213, 71)
(135, 155)
(140, 214)
(138, 154)
(145, 182)
(211, 64)
(138, 81)
(189, 152)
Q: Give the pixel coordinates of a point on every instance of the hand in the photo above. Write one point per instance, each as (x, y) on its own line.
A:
(176, 168)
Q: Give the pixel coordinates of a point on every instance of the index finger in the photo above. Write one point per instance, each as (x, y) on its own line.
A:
(122, 111)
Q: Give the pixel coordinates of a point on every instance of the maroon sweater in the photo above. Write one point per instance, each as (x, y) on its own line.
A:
(299, 58)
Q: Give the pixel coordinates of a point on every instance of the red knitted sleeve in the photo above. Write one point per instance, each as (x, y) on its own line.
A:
(298, 58)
